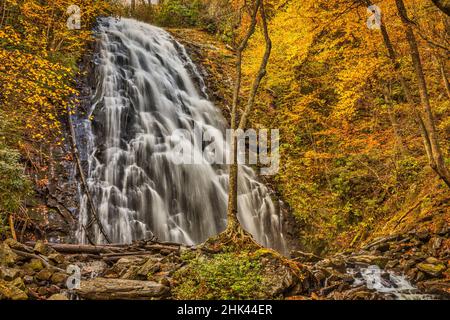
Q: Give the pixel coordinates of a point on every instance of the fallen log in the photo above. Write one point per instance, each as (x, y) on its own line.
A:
(80, 248)
(113, 289)
(109, 249)
(113, 259)
(383, 240)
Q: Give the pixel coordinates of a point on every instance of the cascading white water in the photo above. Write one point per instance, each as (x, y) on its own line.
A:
(145, 90)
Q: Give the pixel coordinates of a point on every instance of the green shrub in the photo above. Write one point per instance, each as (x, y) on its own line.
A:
(14, 186)
(408, 170)
(179, 13)
(224, 276)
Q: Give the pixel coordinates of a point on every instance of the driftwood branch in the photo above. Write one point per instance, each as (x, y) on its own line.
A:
(83, 179)
(35, 256)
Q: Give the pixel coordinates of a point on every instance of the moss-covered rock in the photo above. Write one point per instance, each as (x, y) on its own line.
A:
(34, 265)
(221, 276)
(235, 274)
(56, 258)
(434, 270)
(44, 275)
(9, 291)
(59, 278)
(7, 256)
(9, 274)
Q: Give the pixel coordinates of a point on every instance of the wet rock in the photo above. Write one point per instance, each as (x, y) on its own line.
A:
(110, 289)
(7, 256)
(131, 273)
(337, 263)
(320, 275)
(9, 274)
(434, 270)
(406, 265)
(391, 264)
(386, 276)
(327, 290)
(123, 267)
(42, 291)
(436, 243)
(9, 291)
(383, 247)
(432, 260)
(369, 260)
(28, 279)
(93, 268)
(18, 283)
(53, 289)
(438, 287)
(165, 252)
(420, 276)
(412, 273)
(58, 296)
(56, 258)
(41, 248)
(59, 278)
(44, 275)
(34, 265)
(150, 267)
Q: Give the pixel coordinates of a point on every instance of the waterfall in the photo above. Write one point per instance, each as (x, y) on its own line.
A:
(147, 87)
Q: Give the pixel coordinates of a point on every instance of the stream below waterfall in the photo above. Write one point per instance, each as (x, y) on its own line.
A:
(387, 283)
(146, 88)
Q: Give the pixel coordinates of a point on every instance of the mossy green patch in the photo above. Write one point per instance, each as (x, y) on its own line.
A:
(222, 276)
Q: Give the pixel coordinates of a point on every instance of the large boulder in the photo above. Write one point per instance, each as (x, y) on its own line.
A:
(9, 274)
(434, 270)
(7, 256)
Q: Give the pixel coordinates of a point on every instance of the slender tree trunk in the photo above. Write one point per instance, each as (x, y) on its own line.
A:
(443, 5)
(395, 126)
(443, 75)
(3, 14)
(233, 223)
(11, 226)
(438, 163)
(232, 211)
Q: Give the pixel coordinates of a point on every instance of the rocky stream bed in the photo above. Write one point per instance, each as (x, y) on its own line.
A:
(409, 266)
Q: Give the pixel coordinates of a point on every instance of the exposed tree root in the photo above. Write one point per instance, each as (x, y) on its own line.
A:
(234, 237)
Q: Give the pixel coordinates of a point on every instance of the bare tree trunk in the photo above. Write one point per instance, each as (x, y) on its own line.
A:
(443, 5)
(233, 223)
(3, 14)
(445, 81)
(438, 163)
(395, 126)
(11, 226)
